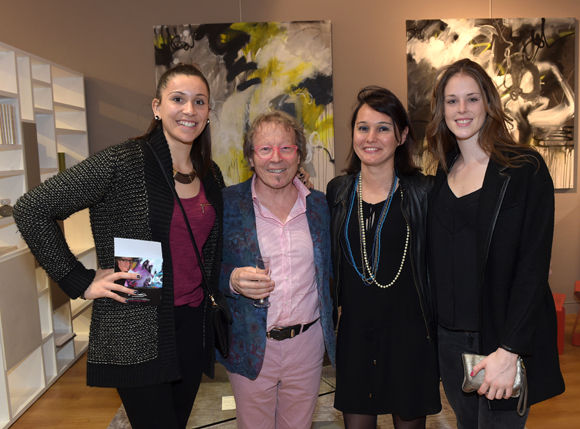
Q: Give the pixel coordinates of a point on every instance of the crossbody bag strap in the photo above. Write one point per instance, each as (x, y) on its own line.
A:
(204, 283)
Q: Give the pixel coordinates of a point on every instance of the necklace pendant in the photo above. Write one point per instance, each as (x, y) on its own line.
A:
(186, 179)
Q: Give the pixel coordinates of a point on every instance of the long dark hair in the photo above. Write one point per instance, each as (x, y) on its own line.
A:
(494, 136)
(384, 101)
(201, 149)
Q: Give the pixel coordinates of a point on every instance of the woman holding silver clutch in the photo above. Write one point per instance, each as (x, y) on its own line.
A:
(490, 228)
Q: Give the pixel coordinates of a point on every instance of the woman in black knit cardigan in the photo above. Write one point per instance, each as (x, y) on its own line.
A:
(153, 355)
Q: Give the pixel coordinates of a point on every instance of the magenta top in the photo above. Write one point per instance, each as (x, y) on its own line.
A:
(186, 273)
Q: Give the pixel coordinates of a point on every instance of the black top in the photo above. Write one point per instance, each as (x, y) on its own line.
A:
(515, 226)
(453, 242)
(414, 209)
(370, 302)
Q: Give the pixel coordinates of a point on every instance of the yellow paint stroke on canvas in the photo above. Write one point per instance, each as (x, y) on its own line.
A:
(236, 164)
(479, 45)
(160, 41)
(312, 115)
(260, 34)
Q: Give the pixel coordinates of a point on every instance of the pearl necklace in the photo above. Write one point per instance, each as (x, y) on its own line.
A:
(376, 245)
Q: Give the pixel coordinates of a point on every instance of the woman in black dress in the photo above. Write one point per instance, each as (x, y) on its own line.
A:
(386, 355)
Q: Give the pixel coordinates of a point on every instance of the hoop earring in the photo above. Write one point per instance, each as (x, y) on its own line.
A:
(157, 118)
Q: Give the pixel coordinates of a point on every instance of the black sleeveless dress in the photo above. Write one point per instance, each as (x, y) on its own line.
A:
(385, 364)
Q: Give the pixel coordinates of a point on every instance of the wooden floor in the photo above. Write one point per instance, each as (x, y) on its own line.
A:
(70, 404)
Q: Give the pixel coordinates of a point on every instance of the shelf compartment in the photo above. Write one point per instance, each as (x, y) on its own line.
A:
(12, 184)
(62, 324)
(41, 280)
(8, 71)
(21, 335)
(61, 318)
(79, 236)
(68, 87)
(25, 88)
(74, 146)
(42, 96)
(64, 356)
(78, 306)
(10, 237)
(49, 357)
(45, 313)
(25, 381)
(70, 119)
(40, 71)
(11, 160)
(81, 327)
(47, 156)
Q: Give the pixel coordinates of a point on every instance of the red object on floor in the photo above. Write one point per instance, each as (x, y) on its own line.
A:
(559, 299)
(576, 336)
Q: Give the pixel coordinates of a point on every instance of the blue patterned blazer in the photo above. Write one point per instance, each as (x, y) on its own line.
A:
(240, 247)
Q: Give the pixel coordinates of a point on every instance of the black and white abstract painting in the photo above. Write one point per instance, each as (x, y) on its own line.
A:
(531, 60)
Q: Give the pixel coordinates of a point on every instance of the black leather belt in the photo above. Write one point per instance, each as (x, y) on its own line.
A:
(288, 331)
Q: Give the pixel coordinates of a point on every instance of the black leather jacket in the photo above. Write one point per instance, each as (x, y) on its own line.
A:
(414, 207)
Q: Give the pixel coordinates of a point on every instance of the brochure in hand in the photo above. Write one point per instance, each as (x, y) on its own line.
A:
(146, 259)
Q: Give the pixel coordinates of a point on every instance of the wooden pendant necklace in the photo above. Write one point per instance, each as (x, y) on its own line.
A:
(184, 178)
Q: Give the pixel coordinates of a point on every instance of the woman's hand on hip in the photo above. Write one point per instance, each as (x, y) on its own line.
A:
(500, 374)
(103, 285)
(247, 282)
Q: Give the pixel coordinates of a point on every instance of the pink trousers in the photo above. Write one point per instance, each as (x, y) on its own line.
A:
(284, 394)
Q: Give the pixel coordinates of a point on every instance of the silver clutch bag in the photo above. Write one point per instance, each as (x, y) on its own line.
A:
(471, 384)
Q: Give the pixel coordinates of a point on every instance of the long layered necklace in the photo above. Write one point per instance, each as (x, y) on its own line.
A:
(368, 274)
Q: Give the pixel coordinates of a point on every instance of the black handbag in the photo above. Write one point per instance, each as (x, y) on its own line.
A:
(221, 315)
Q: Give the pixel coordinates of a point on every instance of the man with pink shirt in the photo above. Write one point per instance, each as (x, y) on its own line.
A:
(276, 353)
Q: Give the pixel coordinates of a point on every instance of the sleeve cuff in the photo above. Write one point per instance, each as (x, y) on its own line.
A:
(77, 281)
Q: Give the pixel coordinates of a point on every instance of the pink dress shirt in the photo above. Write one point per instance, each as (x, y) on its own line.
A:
(294, 299)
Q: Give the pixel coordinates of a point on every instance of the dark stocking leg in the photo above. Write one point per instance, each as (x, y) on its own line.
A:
(418, 423)
(359, 421)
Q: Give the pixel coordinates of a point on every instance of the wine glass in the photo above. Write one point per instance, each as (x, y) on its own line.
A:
(262, 267)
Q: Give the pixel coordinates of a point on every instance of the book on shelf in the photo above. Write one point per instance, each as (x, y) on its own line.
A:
(146, 259)
(7, 124)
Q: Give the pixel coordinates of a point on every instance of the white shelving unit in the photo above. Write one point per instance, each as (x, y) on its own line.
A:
(42, 332)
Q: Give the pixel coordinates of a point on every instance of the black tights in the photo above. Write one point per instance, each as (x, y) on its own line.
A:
(368, 421)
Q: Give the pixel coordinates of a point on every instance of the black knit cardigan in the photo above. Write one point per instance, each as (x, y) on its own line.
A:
(128, 197)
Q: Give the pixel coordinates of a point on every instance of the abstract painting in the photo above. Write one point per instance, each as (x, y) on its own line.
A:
(254, 68)
(531, 60)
